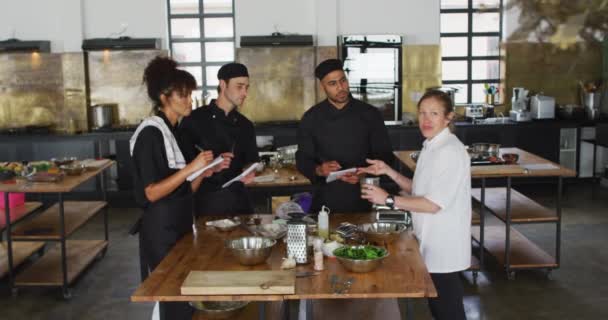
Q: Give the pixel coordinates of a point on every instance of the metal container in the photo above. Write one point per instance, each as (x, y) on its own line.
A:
(250, 251)
(102, 115)
(297, 245)
(382, 232)
(219, 309)
(361, 266)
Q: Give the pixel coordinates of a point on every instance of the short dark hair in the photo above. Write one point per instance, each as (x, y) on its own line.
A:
(162, 76)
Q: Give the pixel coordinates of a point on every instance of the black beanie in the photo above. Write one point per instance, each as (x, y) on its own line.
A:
(327, 66)
(232, 70)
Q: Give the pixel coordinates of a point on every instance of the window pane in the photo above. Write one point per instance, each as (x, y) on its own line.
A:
(219, 51)
(454, 47)
(454, 70)
(461, 94)
(486, 22)
(183, 6)
(485, 69)
(479, 93)
(454, 22)
(486, 46)
(197, 72)
(185, 28)
(187, 51)
(211, 75)
(218, 27)
(486, 4)
(210, 94)
(217, 6)
(454, 4)
(197, 98)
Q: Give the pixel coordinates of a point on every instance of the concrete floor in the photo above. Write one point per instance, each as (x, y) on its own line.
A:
(577, 290)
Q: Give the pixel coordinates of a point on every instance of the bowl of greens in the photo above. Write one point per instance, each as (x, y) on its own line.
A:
(361, 258)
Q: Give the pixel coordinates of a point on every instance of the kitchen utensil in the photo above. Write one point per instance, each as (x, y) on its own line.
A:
(63, 161)
(74, 169)
(510, 158)
(219, 309)
(224, 225)
(486, 149)
(360, 265)
(382, 232)
(239, 282)
(251, 250)
(297, 245)
(103, 115)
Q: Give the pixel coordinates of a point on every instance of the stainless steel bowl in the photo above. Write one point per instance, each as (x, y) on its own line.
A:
(486, 149)
(219, 309)
(381, 232)
(73, 169)
(251, 250)
(356, 265)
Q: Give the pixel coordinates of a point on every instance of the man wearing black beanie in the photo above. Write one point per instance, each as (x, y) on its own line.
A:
(221, 128)
(339, 133)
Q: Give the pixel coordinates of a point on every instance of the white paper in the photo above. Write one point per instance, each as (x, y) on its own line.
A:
(243, 174)
(333, 176)
(539, 166)
(214, 163)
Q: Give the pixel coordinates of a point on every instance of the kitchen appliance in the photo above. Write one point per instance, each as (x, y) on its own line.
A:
(519, 111)
(591, 102)
(297, 245)
(385, 214)
(542, 107)
(102, 115)
(474, 111)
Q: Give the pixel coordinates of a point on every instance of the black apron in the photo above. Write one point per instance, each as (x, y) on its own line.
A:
(232, 200)
(163, 224)
(340, 197)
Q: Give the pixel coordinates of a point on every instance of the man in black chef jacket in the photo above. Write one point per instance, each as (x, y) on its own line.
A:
(339, 133)
(220, 127)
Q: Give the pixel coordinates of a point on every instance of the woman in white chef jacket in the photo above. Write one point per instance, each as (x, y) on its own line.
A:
(439, 197)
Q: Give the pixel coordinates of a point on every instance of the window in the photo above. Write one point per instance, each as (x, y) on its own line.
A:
(201, 39)
(471, 32)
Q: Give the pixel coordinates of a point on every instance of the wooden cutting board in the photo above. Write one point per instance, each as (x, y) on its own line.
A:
(239, 282)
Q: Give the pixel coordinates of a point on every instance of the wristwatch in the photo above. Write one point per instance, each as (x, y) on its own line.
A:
(390, 201)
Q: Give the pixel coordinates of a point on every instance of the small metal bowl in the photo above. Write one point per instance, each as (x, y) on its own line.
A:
(73, 169)
(250, 251)
(360, 265)
(219, 309)
(381, 232)
(510, 158)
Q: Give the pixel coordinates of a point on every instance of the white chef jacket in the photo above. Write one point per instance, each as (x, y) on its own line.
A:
(443, 176)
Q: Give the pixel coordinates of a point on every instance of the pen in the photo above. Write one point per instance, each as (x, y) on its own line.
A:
(199, 148)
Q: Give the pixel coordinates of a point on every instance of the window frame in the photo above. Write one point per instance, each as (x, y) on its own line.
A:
(203, 63)
(470, 35)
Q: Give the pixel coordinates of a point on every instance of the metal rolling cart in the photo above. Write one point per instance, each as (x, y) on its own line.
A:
(61, 265)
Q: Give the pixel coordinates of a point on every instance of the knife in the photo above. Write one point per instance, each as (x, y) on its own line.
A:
(304, 274)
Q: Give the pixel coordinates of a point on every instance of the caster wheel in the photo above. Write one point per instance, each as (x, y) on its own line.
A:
(67, 294)
(511, 275)
(14, 292)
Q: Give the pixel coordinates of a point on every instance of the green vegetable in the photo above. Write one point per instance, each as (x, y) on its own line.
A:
(360, 252)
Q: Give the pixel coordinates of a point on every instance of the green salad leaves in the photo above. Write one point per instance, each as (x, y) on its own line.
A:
(360, 252)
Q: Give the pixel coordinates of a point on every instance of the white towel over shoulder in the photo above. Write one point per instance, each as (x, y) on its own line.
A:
(175, 158)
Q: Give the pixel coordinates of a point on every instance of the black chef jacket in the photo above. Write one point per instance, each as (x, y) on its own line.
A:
(166, 220)
(348, 136)
(210, 128)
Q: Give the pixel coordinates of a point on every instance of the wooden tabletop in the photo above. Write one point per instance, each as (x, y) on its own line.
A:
(287, 176)
(402, 274)
(68, 183)
(528, 165)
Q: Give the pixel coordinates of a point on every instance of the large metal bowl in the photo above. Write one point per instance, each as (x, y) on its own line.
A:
(382, 232)
(219, 309)
(250, 251)
(361, 266)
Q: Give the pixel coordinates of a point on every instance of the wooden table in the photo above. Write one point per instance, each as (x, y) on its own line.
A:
(402, 275)
(288, 180)
(512, 249)
(61, 265)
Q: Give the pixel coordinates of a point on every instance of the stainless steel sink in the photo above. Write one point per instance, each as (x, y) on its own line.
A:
(497, 120)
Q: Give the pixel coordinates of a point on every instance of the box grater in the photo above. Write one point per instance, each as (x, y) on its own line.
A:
(296, 240)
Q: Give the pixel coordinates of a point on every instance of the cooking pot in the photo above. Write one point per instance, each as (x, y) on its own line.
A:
(103, 115)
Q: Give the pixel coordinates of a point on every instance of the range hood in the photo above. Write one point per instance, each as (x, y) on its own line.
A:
(276, 40)
(122, 43)
(16, 45)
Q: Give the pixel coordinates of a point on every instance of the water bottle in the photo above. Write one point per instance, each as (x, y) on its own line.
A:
(324, 222)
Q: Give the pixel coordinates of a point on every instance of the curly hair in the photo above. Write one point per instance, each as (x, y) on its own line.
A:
(162, 76)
